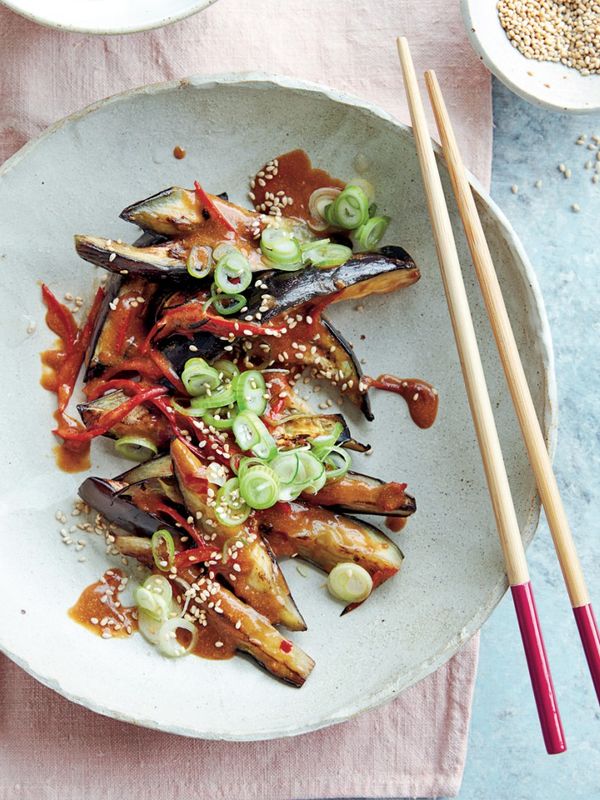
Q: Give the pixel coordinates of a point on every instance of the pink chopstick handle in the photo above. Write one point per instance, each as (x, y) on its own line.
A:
(590, 639)
(539, 669)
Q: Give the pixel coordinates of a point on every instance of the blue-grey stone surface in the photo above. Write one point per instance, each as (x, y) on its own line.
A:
(506, 759)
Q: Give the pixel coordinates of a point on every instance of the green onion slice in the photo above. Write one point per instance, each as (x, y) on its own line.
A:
(371, 233)
(227, 369)
(222, 250)
(223, 395)
(252, 434)
(251, 391)
(230, 508)
(286, 466)
(167, 637)
(328, 255)
(199, 261)
(349, 582)
(259, 487)
(199, 377)
(322, 444)
(318, 202)
(163, 540)
(282, 250)
(233, 273)
(154, 597)
(136, 448)
(337, 463)
(228, 304)
(350, 209)
(221, 419)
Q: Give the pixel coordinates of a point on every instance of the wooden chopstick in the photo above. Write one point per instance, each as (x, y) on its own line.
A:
(519, 389)
(483, 418)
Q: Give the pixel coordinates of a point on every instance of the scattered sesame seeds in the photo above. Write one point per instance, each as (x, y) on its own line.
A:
(576, 208)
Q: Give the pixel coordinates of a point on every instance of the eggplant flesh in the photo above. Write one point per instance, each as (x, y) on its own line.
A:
(259, 581)
(250, 631)
(141, 421)
(356, 493)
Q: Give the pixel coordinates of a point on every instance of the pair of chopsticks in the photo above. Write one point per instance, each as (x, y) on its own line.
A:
(481, 409)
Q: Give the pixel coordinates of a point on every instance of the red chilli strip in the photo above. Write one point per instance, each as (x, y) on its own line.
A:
(182, 522)
(70, 367)
(193, 557)
(59, 319)
(285, 646)
(111, 418)
(123, 384)
(205, 202)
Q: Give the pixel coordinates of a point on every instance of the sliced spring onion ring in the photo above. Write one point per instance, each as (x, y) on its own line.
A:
(337, 463)
(259, 487)
(199, 377)
(167, 637)
(350, 209)
(149, 626)
(230, 508)
(251, 434)
(350, 582)
(159, 585)
(199, 261)
(318, 202)
(371, 233)
(222, 250)
(222, 395)
(228, 304)
(136, 448)
(221, 419)
(286, 466)
(233, 273)
(281, 249)
(326, 440)
(251, 391)
(227, 369)
(328, 255)
(154, 597)
(163, 540)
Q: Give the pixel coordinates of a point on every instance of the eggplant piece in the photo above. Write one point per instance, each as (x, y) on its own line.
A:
(300, 429)
(109, 346)
(158, 467)
(155, 261)
(109, 498)
(360, 276)
(251, 632)
(175, 212)
(326, 538)
(259, 579)
(142, 421)
(362, 494)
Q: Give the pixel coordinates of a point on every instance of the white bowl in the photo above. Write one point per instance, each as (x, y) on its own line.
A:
(551, 85)
(106, 16)
(76, 178)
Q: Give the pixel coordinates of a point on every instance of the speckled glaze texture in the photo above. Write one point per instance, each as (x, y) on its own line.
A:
(453, 574)
(506, 759)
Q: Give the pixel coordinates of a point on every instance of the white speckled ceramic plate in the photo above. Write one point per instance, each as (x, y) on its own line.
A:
(106, 16)
(543, 82)
(76, 178)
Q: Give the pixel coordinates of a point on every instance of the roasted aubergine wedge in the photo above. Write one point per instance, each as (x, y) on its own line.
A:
(251, 569)
(234, 620)
(326, 538)
(361, 494)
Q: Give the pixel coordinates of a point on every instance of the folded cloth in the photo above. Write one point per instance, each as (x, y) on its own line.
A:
(414, 746)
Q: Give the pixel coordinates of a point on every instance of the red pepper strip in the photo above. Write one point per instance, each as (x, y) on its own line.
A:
(189, 558)
(111, 418)
(205, 202)
(69, 369)
(182, 522)
(59, 319)
(123, 384)
(285, 646)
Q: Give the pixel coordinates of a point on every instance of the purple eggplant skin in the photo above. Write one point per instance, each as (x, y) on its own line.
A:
(103, 495)
(93, 368)
(361, 503)
(363, 274)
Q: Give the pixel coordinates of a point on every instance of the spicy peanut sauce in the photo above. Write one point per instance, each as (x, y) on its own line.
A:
(287, 183)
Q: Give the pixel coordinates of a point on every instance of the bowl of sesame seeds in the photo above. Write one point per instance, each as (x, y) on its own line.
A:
(547, 51)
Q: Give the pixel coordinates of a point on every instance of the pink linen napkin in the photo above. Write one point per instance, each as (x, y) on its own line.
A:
(414, 746)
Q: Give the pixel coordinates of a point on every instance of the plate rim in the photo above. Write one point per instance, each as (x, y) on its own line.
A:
(47, 22)
(394, 685)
